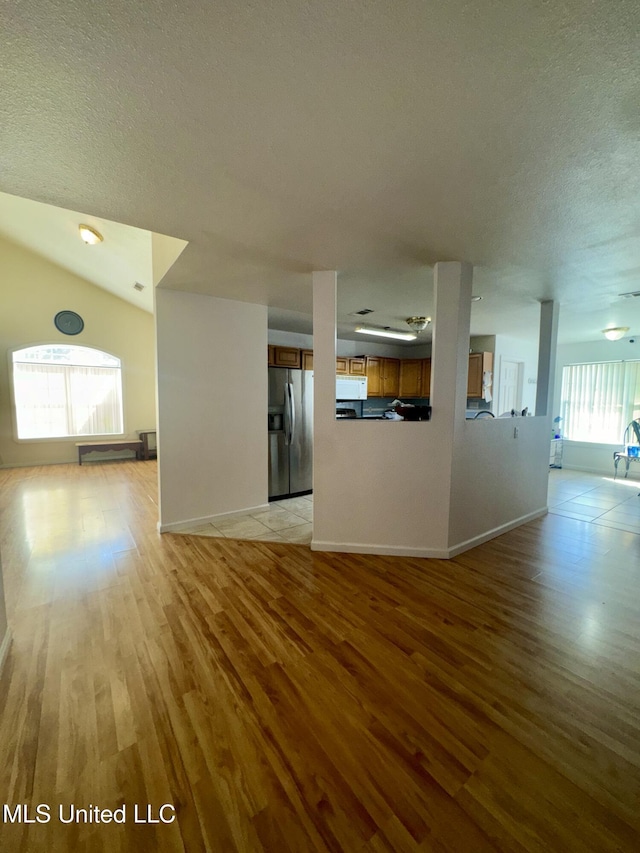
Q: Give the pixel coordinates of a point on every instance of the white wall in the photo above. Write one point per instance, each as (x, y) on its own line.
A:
(428, 489)
(525, 351)
(585, 456)
(212, 403)
(290, 339)
(350, 349)
(375, 483)
(498, 481)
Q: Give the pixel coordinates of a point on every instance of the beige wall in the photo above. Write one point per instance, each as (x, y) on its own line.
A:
(32, 291)
(212, 407)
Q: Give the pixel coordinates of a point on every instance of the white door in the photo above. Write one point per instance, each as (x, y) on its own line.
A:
(510, 389)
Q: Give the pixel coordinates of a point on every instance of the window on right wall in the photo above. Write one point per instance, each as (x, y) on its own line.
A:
(599, 400)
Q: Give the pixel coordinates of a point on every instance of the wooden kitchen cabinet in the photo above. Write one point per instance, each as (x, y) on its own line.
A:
(383, 376)
(286, 357)
(373, 366)
(357, 366)
(425, 387)
(351, 366)
(390, 377)
(271, 355)
(479, 364)
(306, 357)
(411, 377)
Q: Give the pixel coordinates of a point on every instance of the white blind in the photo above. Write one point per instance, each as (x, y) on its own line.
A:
(599, 400)
(55, 397)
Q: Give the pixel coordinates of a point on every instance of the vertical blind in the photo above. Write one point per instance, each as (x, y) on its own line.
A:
(599, 400)
(67, 391)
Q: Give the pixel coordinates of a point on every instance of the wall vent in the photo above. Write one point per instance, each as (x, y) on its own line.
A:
(362, 312)
(138, 286)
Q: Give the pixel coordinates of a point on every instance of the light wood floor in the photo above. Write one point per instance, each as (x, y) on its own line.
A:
(284, 700)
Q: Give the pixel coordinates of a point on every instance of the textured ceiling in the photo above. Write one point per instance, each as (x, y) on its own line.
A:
(370, 137)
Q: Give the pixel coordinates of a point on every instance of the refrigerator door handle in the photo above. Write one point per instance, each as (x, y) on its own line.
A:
(287, 415)
(292, 412)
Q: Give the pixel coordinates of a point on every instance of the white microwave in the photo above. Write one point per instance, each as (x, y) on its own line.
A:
(351, 387)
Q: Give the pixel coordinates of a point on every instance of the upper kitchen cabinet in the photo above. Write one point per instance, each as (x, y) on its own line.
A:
(415, 377)
(285, 357)
(390, 377)
(350, 366)
(479, 364)
(383, 376)
(373, 366)
(357, 366)
(306, 357)
(425, 387)
(411, 377)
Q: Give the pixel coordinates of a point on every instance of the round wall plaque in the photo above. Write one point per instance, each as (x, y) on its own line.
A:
(68, 322)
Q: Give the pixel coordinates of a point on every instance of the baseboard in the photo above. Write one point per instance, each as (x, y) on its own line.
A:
(36, 464)
(381, 550)
(176, 526)
(454, 550)
(429, 553)
(605, 472)
(4, 649)
(588, 469)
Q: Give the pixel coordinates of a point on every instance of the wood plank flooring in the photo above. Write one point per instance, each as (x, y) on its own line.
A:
(283, 700)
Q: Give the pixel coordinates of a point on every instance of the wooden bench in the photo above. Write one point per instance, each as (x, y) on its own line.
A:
(85, 447)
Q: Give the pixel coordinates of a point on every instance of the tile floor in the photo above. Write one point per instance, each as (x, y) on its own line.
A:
(284, 521)
(595, 498)
(574, 494)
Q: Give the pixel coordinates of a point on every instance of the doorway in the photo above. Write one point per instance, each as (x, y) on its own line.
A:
(510, 386)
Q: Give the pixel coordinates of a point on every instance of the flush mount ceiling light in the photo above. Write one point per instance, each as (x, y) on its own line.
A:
(90, 236)
(386, 333)
(616, 333)
(418, 324)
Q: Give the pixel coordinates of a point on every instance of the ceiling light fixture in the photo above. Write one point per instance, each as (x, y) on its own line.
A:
(386, 333)
(90, 236)
(616, 333)
(418, 324)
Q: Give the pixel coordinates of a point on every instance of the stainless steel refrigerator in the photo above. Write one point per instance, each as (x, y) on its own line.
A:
(290, 432)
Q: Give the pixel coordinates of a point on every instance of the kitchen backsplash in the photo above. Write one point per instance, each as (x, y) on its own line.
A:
(375, 407)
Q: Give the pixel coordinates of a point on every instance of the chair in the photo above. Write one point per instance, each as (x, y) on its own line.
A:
(630, 448)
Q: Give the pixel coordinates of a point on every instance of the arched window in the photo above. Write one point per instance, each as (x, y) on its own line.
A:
(62, 391)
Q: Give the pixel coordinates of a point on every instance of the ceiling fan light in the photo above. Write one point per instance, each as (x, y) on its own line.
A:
(89, 235)
(418, 324)
(615, 333)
